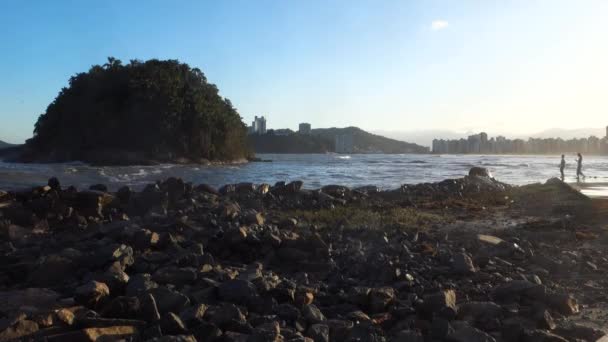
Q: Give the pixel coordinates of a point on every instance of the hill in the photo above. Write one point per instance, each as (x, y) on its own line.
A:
(5, 144)
(138, 113)
(322, 140)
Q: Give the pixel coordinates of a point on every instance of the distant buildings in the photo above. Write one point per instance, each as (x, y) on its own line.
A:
(344, 143)
(304, 128)
(258, 126)
(480, 144)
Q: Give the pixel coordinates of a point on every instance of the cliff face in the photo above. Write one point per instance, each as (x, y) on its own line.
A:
(322, 140)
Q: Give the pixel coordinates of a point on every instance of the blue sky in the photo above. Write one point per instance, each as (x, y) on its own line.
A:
(510, 67)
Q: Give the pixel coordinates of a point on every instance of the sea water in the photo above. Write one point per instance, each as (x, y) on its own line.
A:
(315, 170)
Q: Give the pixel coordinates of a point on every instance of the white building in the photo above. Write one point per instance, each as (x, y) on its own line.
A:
(258, 126)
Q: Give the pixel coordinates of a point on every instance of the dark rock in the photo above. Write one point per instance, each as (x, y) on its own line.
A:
(54, 183)
(140, 283)
(148, 308)
(442, 303)
(312, 314)
(463, 264)
(174, 275)
(379, 298)
(237, 291)
(18, 330)
(169, 300)
(469, 334)
(91, 293)
(171, 324)
(207, 332)
(480, 172)
(318, 332)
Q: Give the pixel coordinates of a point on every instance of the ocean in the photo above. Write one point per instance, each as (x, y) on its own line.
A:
(315, 170)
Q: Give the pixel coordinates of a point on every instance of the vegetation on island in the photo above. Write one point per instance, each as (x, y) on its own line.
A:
(157, 110)
(322, 140)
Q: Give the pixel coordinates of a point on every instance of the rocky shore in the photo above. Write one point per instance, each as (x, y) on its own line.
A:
(469, 259)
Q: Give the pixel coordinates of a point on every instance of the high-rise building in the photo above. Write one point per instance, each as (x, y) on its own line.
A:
(304, 128)
(258, 126)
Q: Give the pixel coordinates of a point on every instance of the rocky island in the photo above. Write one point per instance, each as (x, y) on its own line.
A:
(139, 113)
(469, 259)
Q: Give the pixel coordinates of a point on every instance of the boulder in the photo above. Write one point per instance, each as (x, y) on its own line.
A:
(237, 291)
(480, 172)
(91, 293)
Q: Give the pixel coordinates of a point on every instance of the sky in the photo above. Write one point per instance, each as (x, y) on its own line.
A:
(509, 67)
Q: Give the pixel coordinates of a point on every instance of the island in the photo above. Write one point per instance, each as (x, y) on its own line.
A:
(140, 113)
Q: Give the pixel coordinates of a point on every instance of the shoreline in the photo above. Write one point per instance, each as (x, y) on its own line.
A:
(462, 259)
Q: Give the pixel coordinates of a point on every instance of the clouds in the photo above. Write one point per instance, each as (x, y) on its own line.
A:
(439, 24)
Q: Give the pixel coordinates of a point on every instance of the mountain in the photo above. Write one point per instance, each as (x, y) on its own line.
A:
(570, 133)
(322, 140)
(5, 144)
(425, 137)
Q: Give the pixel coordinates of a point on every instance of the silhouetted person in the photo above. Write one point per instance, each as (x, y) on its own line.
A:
(562, 166)
(579, 167)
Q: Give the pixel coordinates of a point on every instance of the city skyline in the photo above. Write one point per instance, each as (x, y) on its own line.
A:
(518, 67)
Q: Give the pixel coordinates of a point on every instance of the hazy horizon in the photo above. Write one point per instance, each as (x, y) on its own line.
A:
(516, 68)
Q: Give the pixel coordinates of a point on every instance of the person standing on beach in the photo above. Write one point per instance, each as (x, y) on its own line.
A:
(579, 167)
(562, 166)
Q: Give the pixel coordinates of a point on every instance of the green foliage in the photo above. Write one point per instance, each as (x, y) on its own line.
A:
(161, 109)
(322, 140)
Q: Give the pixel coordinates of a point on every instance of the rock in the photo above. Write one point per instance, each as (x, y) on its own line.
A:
(237, 291)
(463, 264)
(379, 298)
(52, 271)
(254, 217)
(476, 311)
(224, 314)
(169, 300)
(193, 315)
(148, 308)
(303, 297)
(574, 331)
(545, 320)
(407, 336)
(171, 324)
(91, 293)
(266, 332)
(18, 330)
(515, 288)
(480, 172)
(35, 298)
(175, 275)
(563, 303)
(207, 332)
(145, 239)
(442, 303)
(114, 333)
(174, 338)
(66, 316)
(54, 183)
(140, 283)
(469, 334)
(538, 335)
(318, 332)
(312, 314)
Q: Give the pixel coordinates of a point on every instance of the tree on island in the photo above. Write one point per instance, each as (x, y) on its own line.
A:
(157, 110)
